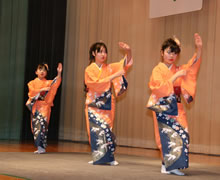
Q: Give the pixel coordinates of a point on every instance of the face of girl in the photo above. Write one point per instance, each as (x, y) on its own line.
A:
(41, 73)
(100, 57)
(168, 56)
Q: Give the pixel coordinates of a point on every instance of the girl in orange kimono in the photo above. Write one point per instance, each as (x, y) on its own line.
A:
(171, 84)
(41, 95)
(100, 79)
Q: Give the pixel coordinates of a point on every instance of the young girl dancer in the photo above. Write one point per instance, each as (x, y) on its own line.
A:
(100, 79)
(41, 95)
(171, 84)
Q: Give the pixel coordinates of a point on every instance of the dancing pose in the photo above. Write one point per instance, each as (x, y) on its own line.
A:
(41, 95)
(171, 84)
(100, 78)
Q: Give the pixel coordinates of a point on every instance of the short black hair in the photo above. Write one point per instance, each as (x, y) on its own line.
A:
(170, 43)
(43, 66)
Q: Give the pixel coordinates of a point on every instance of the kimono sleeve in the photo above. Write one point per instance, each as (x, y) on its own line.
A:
(188, 84)
(120, 83)
(121, 64)
(33, 91)
(53, 90)
(127, 64)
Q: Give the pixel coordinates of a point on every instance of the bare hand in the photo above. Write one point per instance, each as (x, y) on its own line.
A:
(198, 41)
(124, 46)
(117, 74)
(59, 68)
(182, 72)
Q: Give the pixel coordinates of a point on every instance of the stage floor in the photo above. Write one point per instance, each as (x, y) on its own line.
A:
(67, 160)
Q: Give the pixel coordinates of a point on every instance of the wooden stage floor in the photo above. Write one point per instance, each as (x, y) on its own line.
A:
(68, 160)
(65, 146)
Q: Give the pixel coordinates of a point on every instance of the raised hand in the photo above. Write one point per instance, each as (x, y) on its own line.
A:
(198, 41)
(198, 44)
(59, 69)
(124, 46)
(127, 50)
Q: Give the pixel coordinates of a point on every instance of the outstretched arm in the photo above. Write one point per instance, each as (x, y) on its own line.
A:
(198, 46)
(127, 50)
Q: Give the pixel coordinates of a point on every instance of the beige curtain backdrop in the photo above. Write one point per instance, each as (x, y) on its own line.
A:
(112, 21)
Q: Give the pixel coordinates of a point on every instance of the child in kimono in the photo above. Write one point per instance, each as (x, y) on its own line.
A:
(170, 85)
(100, 80)
(41, 95)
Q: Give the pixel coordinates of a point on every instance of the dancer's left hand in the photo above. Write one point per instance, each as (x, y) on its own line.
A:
(124, 46)
(59, 68)
(198, 41)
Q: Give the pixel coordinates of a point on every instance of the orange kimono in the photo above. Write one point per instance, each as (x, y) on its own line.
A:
(170, 123)
(39, 103)
(100, 106)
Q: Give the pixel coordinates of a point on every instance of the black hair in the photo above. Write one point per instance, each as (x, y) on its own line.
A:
(43, 66)
(96, 47)
(170, 43)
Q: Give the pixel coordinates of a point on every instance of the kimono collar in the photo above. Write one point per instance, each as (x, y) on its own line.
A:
(165, 66)
(100, 66)
(38, 79)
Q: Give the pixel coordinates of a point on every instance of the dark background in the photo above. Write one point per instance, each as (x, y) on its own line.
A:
(45, 43)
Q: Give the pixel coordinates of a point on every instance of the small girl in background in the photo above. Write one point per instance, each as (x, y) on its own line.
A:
(41, 95)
